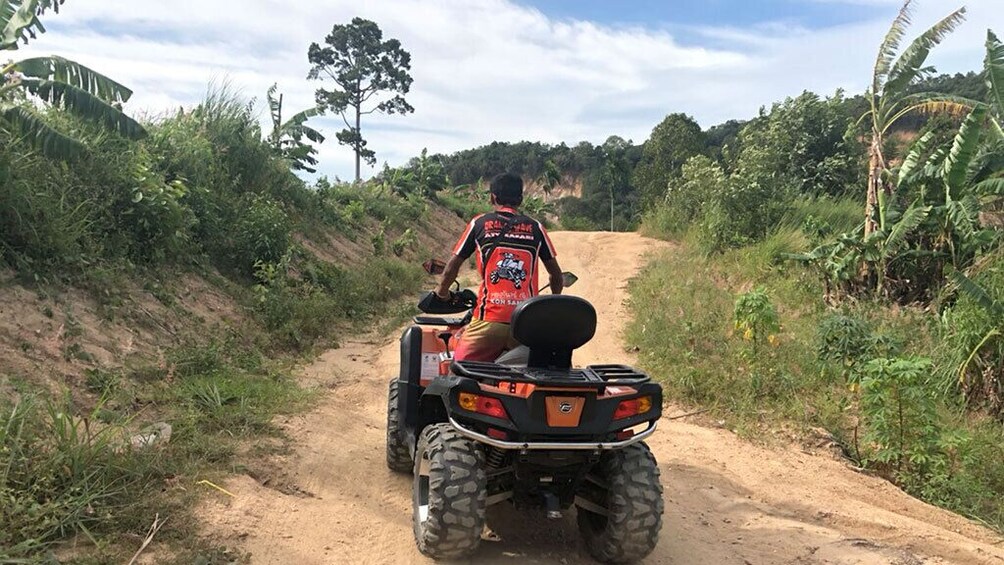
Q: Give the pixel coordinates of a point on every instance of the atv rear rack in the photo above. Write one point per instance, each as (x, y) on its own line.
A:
(597, 376)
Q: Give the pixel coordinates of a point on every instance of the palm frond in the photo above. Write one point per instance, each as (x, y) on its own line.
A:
(993, 69)
(58, 69)
(19, 20)
(910, 64)
(964, 148)
(928, 103)
(890, 46)
(32, 129)
(976, 292)
(85, 105)
(912, 160)
(994, 186)
(911, 219)
(274, 108)
(312, 134)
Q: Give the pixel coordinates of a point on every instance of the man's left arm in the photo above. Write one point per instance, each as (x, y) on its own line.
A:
(449, 275)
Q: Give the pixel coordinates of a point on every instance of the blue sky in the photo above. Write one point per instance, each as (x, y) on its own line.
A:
(805, 13)
(544, 70)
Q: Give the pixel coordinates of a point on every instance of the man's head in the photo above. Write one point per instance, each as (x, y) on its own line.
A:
(507, 190)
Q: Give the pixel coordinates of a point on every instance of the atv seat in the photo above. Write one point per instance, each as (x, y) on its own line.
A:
(552, 327)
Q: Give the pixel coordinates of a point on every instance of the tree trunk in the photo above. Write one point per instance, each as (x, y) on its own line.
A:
(875, 165)
(359, 140)
(611, 209)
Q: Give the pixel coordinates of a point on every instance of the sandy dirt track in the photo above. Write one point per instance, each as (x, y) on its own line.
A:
(727, 501)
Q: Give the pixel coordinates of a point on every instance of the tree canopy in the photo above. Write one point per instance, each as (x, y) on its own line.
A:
(363, 67)
(677, 138)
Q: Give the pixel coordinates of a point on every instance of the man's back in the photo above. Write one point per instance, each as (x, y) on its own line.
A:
(507, 246)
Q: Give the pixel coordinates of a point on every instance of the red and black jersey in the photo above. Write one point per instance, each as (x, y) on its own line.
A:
(508, 265)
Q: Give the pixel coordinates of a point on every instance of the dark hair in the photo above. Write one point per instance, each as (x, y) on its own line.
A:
(508, 189)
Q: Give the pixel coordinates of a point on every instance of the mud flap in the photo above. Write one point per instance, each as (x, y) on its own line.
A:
(410, 382)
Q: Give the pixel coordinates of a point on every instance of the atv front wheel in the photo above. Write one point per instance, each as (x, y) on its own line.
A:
(626, 484)
(449, 494)
(398, 454)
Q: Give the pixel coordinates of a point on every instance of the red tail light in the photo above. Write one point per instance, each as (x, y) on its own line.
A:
(626, 409)
(482, 405)
(633, 407)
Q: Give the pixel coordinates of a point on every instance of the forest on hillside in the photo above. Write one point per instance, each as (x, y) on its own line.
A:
(630, 173)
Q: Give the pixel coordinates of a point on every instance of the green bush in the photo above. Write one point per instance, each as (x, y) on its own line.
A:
(847, 341)
(740, 213)
(756, 317)
(900, 417)
(262, 233)
(972, 353)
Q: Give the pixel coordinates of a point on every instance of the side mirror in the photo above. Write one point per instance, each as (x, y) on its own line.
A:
(568, 279)
(434, 266)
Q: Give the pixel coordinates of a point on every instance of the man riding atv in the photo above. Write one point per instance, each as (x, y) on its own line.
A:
(508, 245)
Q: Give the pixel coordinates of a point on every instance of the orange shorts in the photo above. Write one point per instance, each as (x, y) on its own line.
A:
(484, 341)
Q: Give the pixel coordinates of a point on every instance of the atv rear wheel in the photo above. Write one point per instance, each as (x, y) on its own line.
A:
(626, 484)
(398, 453)
(449, 493)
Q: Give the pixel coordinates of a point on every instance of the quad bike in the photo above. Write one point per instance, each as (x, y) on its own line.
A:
(529, 430)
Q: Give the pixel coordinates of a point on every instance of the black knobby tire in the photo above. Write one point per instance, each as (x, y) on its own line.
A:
(449, 493)
(632, 495)
(398, 454)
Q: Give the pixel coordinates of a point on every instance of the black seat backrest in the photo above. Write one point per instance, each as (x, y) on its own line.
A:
(553, 326)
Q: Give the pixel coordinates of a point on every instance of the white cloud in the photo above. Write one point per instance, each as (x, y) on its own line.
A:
(487, 69)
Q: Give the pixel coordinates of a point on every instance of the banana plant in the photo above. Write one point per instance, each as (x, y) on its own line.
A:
(287, 136)
(55, 82)
(889, 98)
(993, 70)
(958, 175)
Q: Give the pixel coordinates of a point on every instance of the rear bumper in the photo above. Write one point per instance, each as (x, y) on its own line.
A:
(553, 445)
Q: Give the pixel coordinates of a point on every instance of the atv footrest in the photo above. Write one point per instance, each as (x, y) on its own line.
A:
(591, 376)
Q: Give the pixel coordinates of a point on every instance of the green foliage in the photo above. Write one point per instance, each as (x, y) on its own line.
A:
(850, 341)
(739, 213)
(55, 82)
(361, 65)
(261, 233)
(972, 355)
(408, 240)
(287, 136)
(756, 317)
(62, 475)
(901, 417)
(675, 140)
(800, 145)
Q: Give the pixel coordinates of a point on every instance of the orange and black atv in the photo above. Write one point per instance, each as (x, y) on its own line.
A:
(529, 429)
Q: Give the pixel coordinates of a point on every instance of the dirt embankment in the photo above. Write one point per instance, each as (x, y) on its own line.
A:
(727, 501)
(51, 336)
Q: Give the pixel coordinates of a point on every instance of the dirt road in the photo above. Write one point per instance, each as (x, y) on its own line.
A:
(727, 501)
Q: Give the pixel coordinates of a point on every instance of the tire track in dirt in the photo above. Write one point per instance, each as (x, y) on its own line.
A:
(727, 501)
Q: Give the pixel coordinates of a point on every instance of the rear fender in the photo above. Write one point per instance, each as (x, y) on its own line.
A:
(410, 379)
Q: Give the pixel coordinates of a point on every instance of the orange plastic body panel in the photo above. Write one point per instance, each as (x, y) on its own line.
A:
(525, 390)
(433, 346)
(564, 411)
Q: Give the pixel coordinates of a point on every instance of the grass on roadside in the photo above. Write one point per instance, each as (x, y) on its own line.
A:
(683, 325)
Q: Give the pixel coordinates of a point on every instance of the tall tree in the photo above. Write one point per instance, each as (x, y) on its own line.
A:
(616, 173)
(363, 67)
(550, 177)
(53, 81)
(677, 138)
(287, 136)
(890, 100)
